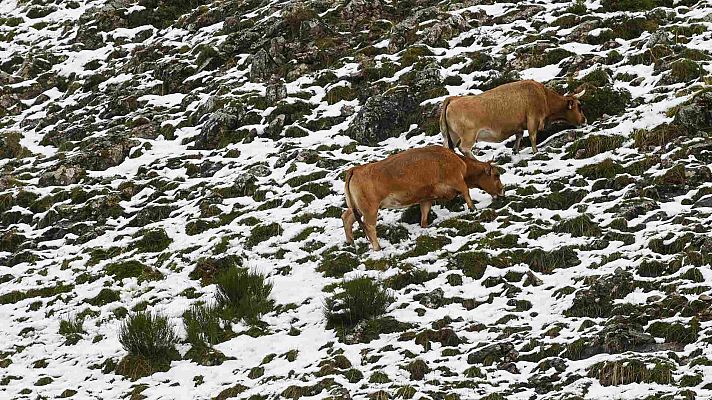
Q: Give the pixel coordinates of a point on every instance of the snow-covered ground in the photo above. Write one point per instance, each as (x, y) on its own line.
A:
(166, 116)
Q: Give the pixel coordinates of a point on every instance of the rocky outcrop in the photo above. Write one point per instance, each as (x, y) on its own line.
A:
(384, 116)
(62, 176)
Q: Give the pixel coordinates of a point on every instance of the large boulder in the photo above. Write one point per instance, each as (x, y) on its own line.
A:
(218, 127)
(384, 116)
(697, 115)
(62, 176)
(105, 152)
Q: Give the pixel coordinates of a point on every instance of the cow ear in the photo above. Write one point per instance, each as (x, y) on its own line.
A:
(571, 104)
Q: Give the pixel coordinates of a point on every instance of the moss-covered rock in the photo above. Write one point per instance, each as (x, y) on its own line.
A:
(263, 232)
(153, 240)
(10, 146)
(336, 264)
(132, 269)
(597, 296)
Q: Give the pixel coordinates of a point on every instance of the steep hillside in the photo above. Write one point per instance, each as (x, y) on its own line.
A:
(185, 158)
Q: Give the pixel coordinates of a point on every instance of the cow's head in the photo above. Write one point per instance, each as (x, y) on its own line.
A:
(485, 176)
(573, 113)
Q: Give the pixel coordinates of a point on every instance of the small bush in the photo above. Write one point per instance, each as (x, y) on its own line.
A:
(684, 70)
(203, 325)
(150, 341)
(148, 335)
(243, 294)
(336, 264)
(633, 5)
(105, 296)
(11, 147)
(605, 169)
(579, 7)
(361, 299)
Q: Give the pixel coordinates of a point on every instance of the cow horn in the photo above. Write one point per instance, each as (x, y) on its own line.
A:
(579, 94)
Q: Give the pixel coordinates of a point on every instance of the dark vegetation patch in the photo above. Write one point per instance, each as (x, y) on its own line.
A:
(360, 300)
(150, 342)
(243, 294)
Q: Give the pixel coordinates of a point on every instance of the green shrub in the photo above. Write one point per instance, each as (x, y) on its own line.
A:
(148, 335)
(676, 332)
(336, 264)
(414, 276)
(361, 299)
(105, 296)
(243, 294)
(684, 70)
(10, 145)
(203, 325)
(606, 100)
(633, 5)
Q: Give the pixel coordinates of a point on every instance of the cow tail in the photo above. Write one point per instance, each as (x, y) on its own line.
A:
(444, 129)
(350, 203)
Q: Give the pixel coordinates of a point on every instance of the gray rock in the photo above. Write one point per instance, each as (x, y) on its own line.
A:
(62, 176)
(274, 129)
(444, 30)
(261, 66)
(704, 202)
(276, 92)
(580, 33)
(659, 37)
(434, 299)
(493, 352)
(384, 116)
(595, 299)
(106, 152)
(218, 125)
(697, 115)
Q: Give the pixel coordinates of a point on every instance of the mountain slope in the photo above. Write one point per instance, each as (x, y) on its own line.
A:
(148, 144)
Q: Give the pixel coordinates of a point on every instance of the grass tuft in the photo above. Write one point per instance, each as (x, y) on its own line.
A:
(243, 294)
(72, 329)
(203, 325)
(361, 299)
(150, 342)
(581, 225)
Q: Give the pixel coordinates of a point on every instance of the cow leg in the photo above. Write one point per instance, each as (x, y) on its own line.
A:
(465, 192)
(533, 127)
(349, 219)
(369, 219)
(518, 142)
(466, 147)
(424, 210)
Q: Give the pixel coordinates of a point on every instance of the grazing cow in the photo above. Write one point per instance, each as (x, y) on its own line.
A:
(415, 176)
(497, 114)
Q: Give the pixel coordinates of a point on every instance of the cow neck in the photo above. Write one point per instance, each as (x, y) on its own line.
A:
(476, 170)
(557, 105)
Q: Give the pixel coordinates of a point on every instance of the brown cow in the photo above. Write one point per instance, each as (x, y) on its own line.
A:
(497, 114)
(415, 176)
